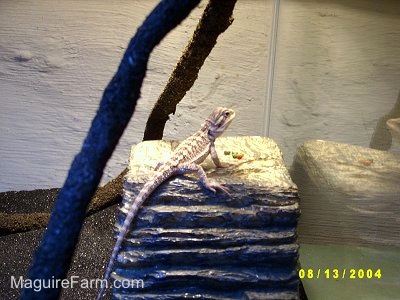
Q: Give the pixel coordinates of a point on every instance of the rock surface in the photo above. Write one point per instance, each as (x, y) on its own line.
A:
(349, 194)
(188, 242)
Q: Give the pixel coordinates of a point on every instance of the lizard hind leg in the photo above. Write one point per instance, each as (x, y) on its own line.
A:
(210, 185)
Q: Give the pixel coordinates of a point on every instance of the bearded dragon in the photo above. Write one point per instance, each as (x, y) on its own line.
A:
(185, 159)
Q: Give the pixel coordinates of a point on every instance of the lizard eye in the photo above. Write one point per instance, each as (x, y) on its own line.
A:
(226, 113)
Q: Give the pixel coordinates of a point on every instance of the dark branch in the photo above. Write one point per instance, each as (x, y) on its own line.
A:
(215, 20)
(11, 223)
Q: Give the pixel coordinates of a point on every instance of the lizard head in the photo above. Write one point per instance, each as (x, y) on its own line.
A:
(219, 120)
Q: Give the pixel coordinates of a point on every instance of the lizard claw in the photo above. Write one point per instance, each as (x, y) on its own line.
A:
(214, 186)
(225, 166)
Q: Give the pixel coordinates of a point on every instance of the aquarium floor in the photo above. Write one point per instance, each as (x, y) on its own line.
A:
(92, 253)
(16, 250)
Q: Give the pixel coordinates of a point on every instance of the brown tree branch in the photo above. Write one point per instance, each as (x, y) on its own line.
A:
(217, 17)
(104, 197)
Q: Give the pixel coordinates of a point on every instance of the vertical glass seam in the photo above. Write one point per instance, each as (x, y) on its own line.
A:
(271, 68)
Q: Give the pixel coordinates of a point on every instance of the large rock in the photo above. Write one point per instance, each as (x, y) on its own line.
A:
(350, 194)
(188, 242)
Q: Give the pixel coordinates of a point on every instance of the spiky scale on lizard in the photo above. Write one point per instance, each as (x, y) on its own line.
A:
(185, 159)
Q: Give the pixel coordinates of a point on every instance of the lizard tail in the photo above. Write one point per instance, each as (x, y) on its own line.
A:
(144, 193)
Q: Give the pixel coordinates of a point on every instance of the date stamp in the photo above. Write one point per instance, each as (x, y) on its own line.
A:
(318, 273)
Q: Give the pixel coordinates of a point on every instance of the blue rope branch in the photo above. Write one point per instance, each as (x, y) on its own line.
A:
(53, 256)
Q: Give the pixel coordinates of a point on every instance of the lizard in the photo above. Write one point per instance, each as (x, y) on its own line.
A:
(186, 158)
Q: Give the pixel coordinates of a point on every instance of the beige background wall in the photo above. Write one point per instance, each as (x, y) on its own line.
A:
(337, 73)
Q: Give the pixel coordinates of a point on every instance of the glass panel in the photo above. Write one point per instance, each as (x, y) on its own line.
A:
(336, 85)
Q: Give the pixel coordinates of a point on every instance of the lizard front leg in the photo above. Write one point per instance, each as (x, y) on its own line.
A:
(214, 156)
(210, 185)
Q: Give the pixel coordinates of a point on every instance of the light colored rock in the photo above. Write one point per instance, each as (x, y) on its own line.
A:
(349, 194)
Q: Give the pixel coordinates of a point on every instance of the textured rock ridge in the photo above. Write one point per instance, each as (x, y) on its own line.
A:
(189, 243)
